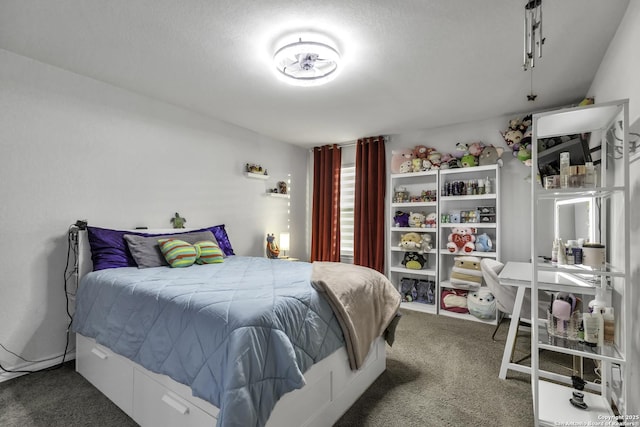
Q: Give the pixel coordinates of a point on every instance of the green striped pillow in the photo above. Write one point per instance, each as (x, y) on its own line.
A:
(210, 253)
(178, 253)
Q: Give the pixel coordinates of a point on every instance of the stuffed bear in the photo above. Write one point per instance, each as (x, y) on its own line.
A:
(482, 304)
(414, 261)
(401, 219)
(416, 219)
(410, 242)
(483, 243)
(426, 245)
(401, 160)
(416, 165)
(466, 273)
(461, 239)
(431, 220)
(491, 155)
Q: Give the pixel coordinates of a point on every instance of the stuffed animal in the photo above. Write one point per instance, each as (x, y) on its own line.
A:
(461, 239)
(426, 245)
(469, 161)
(466, 273)
(416, 165)
(491, 155)
(401, 219)
(416, 219)
(410, 242)
(178, 221)
(462, 150)
(482, 304)
(414, 261)
(445, 159)
(431, 220)
(518, 138)
(272, 247)
(421, 151)
(475, 148)
(401, 160)
(435, 159)
(454, 300)
(483, 243)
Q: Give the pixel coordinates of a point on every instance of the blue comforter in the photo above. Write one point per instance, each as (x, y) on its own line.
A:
(240, 333)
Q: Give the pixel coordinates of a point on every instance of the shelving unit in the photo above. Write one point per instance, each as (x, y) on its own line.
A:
(611, 221)
(414, 183)
(449, 204)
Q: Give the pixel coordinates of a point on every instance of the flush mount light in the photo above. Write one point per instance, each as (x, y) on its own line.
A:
(307, 63)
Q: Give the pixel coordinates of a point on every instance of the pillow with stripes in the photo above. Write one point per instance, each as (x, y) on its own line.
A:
(209, 252)
(178, 253)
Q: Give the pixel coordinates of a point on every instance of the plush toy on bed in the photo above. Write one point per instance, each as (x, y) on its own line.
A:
(272, 247)
(482, 304)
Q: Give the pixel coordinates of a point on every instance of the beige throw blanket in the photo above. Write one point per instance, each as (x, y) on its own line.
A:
(364, 301)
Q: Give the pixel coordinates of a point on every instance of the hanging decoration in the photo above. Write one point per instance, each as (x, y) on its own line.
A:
(533, 39)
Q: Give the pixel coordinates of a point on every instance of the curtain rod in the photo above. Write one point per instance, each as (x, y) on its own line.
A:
(385, 138)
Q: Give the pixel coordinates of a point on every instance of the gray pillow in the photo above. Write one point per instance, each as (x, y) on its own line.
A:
(146, 251)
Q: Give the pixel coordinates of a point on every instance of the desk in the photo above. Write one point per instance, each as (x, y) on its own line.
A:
(519, 274)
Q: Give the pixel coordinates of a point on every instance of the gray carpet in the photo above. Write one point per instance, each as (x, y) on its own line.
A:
(440, 372)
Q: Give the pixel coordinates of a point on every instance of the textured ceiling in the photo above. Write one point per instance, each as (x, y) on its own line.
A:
(408, 64)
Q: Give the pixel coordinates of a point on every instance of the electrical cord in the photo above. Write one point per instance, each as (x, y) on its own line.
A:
(72, 236)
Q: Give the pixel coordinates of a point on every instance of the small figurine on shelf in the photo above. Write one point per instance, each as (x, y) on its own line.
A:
(272, 247)
(178, 221)
(282, 187)
(254, 168)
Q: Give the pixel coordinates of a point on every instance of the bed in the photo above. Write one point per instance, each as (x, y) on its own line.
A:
(243, 341)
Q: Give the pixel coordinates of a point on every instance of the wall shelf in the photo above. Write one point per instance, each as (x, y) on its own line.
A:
(256, 175)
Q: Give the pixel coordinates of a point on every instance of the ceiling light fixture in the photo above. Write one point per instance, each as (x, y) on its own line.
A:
(307, 63)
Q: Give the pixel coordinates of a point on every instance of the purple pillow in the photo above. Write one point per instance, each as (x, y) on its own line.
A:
(109, 249)
(222, 238)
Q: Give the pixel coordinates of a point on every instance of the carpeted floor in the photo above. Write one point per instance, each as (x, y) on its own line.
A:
(440, 372)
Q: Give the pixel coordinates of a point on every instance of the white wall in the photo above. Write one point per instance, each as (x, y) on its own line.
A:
(617, 78)
(75, 148)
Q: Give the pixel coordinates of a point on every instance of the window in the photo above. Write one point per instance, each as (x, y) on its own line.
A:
(347, 202)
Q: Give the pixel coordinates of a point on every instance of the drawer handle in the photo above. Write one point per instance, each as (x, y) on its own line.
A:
(175, 404)
(100, 354)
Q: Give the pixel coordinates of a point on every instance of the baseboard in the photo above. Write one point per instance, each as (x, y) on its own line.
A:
(37, 366)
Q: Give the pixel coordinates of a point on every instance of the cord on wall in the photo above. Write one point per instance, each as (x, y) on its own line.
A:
(69, 273)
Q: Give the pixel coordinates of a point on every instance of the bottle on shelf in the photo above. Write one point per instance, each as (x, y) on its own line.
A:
(590, 175)
(565, 167)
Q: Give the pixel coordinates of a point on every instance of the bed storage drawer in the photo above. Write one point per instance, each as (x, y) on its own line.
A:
(110, 373)
(155, 405)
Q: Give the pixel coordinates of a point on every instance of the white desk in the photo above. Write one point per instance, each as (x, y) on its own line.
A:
(519, 274)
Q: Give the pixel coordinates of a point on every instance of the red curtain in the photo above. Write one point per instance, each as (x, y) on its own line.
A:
(325, 217)
(368, 239)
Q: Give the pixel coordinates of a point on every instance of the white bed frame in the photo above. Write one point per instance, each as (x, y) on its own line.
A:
(152, 399)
